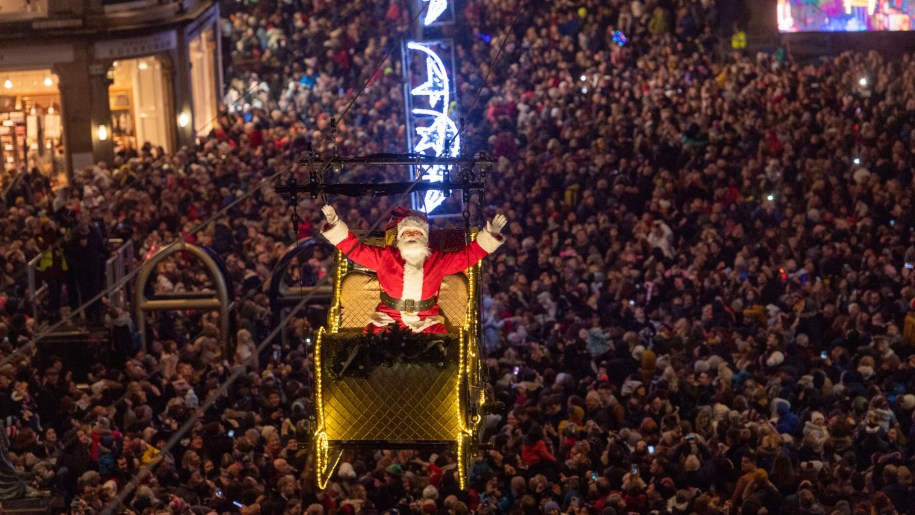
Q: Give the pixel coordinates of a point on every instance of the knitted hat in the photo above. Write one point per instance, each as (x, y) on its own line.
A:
(394, 469)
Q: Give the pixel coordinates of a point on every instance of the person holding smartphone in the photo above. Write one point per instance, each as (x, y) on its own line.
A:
(633, 484)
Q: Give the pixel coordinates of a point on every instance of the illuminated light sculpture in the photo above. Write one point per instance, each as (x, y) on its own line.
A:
(436, 8)
(432, 132)
(436, 86)
(438, 135)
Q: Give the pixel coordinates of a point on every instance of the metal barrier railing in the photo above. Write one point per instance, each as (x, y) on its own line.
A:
(121, 263)
(36, 293)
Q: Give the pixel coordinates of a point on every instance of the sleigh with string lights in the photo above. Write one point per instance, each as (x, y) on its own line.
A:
(397, 389)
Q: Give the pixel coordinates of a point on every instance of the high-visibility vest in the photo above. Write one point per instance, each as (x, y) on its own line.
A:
(739, 40)
(47, 259)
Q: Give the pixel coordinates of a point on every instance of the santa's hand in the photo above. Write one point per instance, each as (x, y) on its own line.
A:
(497, 224)
(330, 214)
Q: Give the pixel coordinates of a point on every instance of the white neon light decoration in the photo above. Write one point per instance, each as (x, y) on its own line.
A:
(436, 85)
(440, 137)
(436, 8)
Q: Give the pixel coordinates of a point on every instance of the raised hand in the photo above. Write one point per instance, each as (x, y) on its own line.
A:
(497, 224)
(330, 214)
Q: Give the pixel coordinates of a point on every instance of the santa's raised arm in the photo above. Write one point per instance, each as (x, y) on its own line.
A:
(409, 271)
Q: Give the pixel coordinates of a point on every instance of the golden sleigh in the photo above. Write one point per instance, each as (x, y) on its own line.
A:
(403, 404)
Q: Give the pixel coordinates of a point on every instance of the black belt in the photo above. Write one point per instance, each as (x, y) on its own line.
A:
(408, 305)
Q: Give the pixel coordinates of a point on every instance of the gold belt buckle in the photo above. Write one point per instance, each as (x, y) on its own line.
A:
(409, 306)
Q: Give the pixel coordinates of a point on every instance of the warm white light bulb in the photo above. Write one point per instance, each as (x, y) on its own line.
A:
(862, 81)
(184, 120)
(8, 84)
(48, 82)
(102, 132)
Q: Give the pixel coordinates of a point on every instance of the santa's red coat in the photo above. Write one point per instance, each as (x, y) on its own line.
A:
(403, 281)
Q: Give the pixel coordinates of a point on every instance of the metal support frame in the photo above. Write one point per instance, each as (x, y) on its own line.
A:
(472, 176)
(218, 300)
(402, 160)
(36, 292)
(283, 296)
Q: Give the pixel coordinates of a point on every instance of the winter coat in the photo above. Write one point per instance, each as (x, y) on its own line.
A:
(536, 453)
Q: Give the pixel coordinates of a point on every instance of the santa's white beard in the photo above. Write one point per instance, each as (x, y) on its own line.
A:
(414, 250)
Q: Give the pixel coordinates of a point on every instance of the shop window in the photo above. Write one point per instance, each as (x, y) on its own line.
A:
(140, 102)
(22, 9)
(31, 127)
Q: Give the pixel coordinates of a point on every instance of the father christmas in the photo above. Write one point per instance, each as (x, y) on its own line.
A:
(409, 271)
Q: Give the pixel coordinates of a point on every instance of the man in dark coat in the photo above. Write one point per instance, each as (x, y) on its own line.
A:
(49, 397)
(74, 461)
(86, 258)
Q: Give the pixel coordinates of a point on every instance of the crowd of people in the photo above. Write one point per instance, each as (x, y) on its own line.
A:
(702, 305)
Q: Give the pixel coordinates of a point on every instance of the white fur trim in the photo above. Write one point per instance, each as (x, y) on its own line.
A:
(412, 281)
(418, 325)
(489, 242)
(336, 233)
(412, 222)
(381, 319)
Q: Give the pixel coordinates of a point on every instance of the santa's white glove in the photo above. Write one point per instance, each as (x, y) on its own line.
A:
(330, 214)
(497, 224)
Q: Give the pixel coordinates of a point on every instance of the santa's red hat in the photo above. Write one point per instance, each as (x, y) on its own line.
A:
(403, 219)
